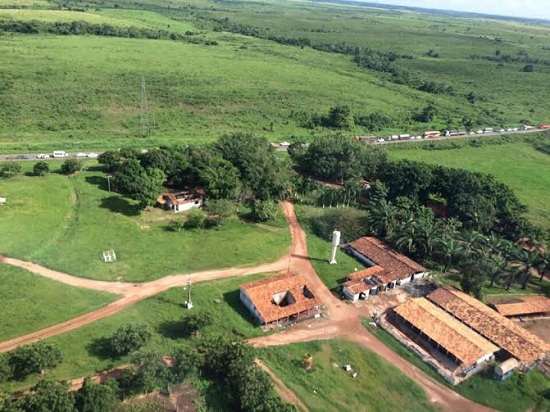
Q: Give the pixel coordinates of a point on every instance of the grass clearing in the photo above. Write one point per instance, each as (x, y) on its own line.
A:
(74, 219)
(379, 386)
(162, 313)
(31, 302)
(519, 165)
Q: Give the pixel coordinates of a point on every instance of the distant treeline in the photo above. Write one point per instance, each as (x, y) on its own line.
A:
(365, 57)
(520, 57)
(84, 28)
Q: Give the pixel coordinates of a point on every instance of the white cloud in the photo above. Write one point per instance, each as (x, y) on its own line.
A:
(524, 8)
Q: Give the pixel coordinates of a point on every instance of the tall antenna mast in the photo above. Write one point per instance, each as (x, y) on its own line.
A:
(144, 114)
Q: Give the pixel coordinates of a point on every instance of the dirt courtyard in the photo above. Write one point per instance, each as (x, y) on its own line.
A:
(539, 327)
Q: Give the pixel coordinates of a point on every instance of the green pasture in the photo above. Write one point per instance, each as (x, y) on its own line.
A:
(31, 302)
(62, 16)
(85, 92)
(24, 4)
(518, 165)
(82, 350)
(379, 386)
(65, 223)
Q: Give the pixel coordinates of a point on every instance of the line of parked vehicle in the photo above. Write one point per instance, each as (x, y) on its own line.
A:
(59, 154)
(450, 133)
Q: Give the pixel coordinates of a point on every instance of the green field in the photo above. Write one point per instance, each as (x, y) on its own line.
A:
(65, 223)
(31, 302)
(84, 92)
(518, 165)
(81, 348)
(378, 386)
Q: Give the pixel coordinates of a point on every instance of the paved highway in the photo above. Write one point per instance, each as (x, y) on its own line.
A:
(84, 155)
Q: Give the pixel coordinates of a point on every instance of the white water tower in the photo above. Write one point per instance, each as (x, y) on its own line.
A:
(335, 244)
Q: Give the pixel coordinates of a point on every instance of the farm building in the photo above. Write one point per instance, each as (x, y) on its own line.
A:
(181, 201)
(524, 306)
(435, 329)
(506, 369)
(513, 340)
(386, 269)
(279, 299)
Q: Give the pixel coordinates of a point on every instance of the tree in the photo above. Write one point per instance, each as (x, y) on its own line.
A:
(152, 372)
(10, 169)
(338, 117)
(111, 159)
(221, 210)
(450, 250)
(382, 218)
(48, 396)
(471, 97)
(139, 183)
(41, 168)
(93, 397)
(196, 321)
(5, 368)
(129, 338)
(34, 358)
(339, 158)
(264, 210)
(529, 261)
(71, 166)
(427, 114)
(528, 68)
(473, 276)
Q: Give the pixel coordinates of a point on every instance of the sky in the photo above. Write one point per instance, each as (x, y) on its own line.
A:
(520, 8)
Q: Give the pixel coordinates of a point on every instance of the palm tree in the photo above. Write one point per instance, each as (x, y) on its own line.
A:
(473, 242)
(450, 249)
(382, 218)
(427, 235)
(494, 244)
(543, 263)
(500, 266)
(528, 261)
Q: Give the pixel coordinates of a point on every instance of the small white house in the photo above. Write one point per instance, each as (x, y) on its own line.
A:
(182, 201)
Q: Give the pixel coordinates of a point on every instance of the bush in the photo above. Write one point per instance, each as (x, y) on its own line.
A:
(10, 169)
(264, 210)
(129, 338)
(41, 168)
(34, 358)
(196, 321)
(71, 166)
(196, 219)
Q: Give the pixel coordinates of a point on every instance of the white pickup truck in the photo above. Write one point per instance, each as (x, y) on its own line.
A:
(60, 153)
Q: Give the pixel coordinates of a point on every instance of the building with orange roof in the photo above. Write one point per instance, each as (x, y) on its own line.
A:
(386, 268)
(279, 299)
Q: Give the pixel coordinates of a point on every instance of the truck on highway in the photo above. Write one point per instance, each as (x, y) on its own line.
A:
(60, 153)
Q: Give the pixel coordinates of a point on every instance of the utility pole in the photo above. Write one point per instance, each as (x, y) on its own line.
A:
(144, 114)
(188, 303)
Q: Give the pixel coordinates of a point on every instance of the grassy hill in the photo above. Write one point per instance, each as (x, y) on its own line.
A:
(84, 91)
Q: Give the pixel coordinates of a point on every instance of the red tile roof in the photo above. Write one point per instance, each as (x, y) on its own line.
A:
(400, 266)
(456, 338)
(366, 273)
(527, 305)
(505, 333)
(261, 294)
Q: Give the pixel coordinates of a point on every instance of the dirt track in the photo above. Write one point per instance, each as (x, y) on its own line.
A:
(343, 320)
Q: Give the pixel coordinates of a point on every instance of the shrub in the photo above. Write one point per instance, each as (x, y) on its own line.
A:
(71, 166)
(129, 338)
(34, 358)
(10, 169)
(41, 168)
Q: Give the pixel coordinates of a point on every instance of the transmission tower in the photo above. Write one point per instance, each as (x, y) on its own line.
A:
(144, 114)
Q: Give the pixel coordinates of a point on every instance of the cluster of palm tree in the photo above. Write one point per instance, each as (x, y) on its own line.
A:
(480, 258)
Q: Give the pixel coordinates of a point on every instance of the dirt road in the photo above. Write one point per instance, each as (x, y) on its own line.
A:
(343, 320)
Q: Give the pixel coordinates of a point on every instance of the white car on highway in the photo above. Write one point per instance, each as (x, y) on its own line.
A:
(92, 155)
(80, 154)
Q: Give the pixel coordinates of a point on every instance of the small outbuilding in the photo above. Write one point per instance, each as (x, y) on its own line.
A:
(181, 201)
(506, 369)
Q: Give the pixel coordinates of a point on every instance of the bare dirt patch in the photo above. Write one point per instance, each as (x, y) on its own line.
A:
(539, 327)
